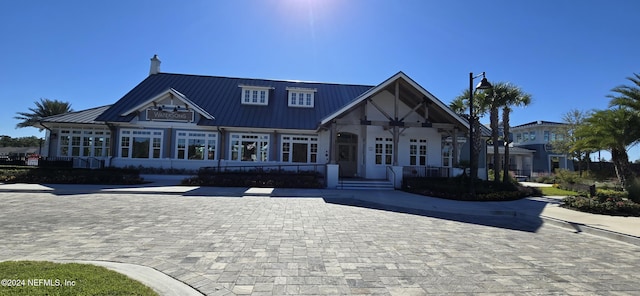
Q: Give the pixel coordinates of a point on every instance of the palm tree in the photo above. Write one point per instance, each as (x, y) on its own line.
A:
(44, 108)
(628, 96)
(460, 105)
(496, 99)
(510, 96)
(613, 130)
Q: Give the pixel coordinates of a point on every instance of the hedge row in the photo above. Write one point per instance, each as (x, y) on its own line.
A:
(458, 189)
(271, 179)
(110, 176)
(614, 206)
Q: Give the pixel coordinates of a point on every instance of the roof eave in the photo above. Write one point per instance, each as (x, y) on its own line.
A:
(383, 85)
(175, 93)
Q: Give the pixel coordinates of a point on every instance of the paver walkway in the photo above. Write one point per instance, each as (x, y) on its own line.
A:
(307, 246)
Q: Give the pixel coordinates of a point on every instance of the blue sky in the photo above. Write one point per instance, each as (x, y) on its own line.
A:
(567, 54)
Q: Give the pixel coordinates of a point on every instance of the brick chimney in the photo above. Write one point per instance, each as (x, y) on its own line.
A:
(155, 65)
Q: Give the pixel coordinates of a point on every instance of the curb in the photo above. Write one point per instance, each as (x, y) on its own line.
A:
(582, 228)
(525, 218)
(160, 282)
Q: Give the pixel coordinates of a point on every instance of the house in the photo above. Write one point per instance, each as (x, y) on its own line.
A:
(538, 136)
(384, 131)
(531, 153)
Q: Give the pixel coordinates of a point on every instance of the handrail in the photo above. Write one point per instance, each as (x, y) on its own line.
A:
(390, 168)
(312, 167)
(426, 171)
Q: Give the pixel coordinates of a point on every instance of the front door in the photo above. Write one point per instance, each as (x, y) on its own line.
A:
(555, 164)
(348, 154)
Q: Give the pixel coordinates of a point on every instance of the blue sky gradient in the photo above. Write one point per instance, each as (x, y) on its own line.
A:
(567, 54)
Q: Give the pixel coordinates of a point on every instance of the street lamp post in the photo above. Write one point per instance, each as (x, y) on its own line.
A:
(484, 84)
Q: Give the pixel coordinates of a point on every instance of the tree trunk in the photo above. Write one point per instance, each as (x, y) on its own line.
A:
(505, 121)
(494, 138)
(620, 160)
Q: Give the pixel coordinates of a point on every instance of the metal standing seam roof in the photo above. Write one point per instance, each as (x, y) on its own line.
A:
(221, 97)
(87, 116)
(540, 122)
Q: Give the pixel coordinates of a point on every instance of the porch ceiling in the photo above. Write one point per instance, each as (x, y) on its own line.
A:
(413, 97)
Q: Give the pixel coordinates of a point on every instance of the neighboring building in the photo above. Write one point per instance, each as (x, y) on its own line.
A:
(530, 151)
(341, 130)
(520, 161)
(17, 153)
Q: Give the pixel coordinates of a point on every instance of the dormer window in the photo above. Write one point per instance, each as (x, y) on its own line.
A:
(255, 95)
(301, 97)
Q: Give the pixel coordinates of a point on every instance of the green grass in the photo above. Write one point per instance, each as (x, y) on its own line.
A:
(552, 191)
(48, 278)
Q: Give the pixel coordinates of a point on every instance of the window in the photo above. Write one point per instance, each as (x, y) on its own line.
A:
(84, 143)
(302, 149)
(418, 152)
(384, 151)
(75, 143)
(301, 97)
(196, 145)
(525, 136)
(255, 95)
(532, 135)
(559, 137)
(249, 147)
(518, 138)
(446, 154)
(141, 143)
(546, 136)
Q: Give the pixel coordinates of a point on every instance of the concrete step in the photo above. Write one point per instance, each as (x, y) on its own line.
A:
(365, 185)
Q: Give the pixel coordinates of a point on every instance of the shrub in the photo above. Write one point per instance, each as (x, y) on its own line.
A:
(633, 190)
(161, 171)
(604, 195)
(566, 176)
(610, 206)
(458, 189)
(256, 178)
(547, 179)
(70, 176)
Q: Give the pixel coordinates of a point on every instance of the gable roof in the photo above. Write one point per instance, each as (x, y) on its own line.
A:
(446, 112)
(539, 122)
(221, 98)
(173, 93)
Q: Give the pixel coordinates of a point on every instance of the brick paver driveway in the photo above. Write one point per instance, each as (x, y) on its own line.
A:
(275, 246)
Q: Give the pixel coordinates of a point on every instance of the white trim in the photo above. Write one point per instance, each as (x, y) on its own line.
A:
(188, 103)
(420, 145)
(205, 136)
(255, 93)
(298, 139)
(86, 140)
(304, 89)
(262, 151)
(386, 83)
(308, 100)
(385, 143)
(256, 86)
(131, 134)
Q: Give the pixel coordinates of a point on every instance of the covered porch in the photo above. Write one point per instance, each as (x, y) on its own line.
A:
(393, 130)
(520, 161)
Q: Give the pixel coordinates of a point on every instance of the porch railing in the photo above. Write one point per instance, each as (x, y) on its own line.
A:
(426, 171)
(88, 163)
(319, 168)
(56, 161)
(391, 174)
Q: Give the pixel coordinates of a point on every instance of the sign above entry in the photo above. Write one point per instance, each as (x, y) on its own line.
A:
(180, 115)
